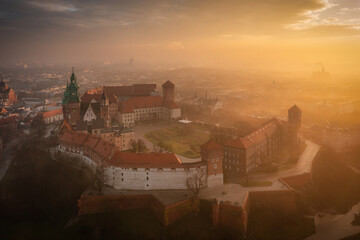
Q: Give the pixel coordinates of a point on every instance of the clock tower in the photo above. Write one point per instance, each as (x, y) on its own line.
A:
(70, 101)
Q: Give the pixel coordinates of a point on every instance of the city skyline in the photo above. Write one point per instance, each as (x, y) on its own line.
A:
(279, 34)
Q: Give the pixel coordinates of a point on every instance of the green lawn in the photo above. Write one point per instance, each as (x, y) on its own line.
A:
(184, 140)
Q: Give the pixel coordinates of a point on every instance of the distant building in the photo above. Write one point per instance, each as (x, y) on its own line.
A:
(51, 116)
(321, 75)
(7, 95)
(341, 140)
(148, 108)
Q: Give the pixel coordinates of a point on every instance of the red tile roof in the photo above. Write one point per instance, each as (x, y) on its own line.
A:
(73, 138)
(104, 148)
(91, 141)
(211, 145)
(129, 105)
(87, 97)
(256, 136)
(143, 89)
(145, 160)
(52, 113)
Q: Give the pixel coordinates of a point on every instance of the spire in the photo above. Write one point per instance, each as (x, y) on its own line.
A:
(73, 76)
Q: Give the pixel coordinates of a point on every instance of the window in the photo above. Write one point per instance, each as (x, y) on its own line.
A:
(215, 166)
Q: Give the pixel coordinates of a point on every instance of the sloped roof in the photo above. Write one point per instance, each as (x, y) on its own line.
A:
(294, 109)
(211, 145)
(52, 113)
(256, 136)
(85, 105)
(146, 160)
(168, 84)
(104, 148)
(88, 96)
(130, 104)
(73, 138)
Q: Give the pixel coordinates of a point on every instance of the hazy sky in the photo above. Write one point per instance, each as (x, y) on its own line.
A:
(236, 34)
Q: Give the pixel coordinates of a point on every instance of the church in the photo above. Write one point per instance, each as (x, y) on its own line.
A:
(7, 95)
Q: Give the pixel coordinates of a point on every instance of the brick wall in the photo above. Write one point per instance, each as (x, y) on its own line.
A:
(92, 204)
(280, 200)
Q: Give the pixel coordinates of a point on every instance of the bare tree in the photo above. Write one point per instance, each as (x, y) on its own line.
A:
(97, 176)
(137, 146)
(196, 181)
(162, 147)
(194, 184)
(157, 149)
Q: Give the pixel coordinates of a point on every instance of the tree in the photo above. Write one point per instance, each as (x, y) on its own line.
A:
(162, 147)
(157, 149)
(196, 181)
(137, 146)
(194, 184)
(98, 176)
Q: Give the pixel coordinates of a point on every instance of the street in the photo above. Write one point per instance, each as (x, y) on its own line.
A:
(303, 166)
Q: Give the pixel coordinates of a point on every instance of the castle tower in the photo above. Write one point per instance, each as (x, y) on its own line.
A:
(70, 101)
(212, 154)
(168, 93)
(104, 109)
(294, 124)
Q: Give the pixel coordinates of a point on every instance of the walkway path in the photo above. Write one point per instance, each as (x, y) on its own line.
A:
(303, 166)
(333, 227)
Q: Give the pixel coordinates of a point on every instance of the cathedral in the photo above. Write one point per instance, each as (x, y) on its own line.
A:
(7, 95)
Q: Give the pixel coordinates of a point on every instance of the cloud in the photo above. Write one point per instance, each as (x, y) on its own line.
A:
(54, 7)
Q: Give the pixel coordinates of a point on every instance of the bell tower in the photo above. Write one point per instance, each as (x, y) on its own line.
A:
(70, 101)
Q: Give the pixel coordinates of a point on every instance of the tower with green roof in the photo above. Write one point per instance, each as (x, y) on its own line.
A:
(71, 100)
(71, 93)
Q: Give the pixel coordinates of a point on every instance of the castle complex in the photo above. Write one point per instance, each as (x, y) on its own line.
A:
(98, 128)
(124, 105)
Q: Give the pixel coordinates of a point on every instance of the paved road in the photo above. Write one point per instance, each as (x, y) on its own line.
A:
(304, 164)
